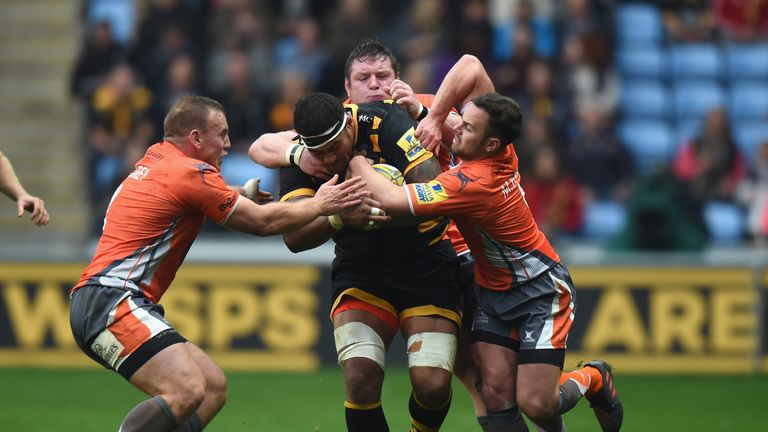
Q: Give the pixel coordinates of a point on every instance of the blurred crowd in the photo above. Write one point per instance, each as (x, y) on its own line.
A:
(564, 61)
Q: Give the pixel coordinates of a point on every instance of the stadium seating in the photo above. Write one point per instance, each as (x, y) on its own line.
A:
(686, 130)
(748, 100)
(748, 136)
(603, 219)
(747, 61)
(650, 141)
(644, 98)
(704, 61)
(693, 99)
(642, 61)
(725, 221)
(638, 23)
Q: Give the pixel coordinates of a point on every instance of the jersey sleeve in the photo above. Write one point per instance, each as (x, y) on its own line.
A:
(203, 189)
(446, 195)
(399, 129)
(295, 183)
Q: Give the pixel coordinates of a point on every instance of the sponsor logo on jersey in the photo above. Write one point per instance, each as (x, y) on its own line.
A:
(229, 202)
(410, 145)
(362, 118)
(139, 173)
(430, 193)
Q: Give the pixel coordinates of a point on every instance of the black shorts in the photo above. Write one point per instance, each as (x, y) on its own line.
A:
(422, 286)
(121, 330)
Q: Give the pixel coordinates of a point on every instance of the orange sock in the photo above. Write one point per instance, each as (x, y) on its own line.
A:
(588, 378)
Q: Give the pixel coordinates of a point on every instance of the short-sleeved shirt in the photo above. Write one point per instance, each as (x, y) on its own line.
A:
(385, 132)
(153, 218)
(485, 199)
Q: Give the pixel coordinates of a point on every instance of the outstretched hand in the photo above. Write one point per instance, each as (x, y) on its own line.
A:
(367, 215)
(34, 205)
(333, 198)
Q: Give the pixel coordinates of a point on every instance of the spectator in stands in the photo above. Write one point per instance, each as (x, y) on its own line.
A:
(745, 20)
(689, 20)
(120, 129)
(710, 163)
(302, 51)
(553, 196)
(244, 105)
(99, 55)
(11, 187)
(589, 73)
(753, 194)
(598, 160)
(541, 98)
(292, 86)
(510, 76)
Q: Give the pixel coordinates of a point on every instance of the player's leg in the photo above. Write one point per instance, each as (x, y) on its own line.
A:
(362, 333)
(465, 369)
(178, 388)
(126, 332)
(547, 306)
(431, 349)
(595, 381)
(497, 360)
(215, 385)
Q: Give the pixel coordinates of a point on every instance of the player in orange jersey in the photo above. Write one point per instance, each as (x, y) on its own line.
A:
(12, 188)
(525, 296)
(151, 222)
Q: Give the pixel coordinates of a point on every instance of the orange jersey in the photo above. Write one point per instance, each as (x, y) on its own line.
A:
(445, 159)
(485, 199)
(153, 218)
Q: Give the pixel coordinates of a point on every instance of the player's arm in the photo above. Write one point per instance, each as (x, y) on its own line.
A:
(12, 188)
(466, 80)
(278, 218)
(277, 150)
(393, 198)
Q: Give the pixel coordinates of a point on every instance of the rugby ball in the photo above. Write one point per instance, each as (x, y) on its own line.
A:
(391, 173)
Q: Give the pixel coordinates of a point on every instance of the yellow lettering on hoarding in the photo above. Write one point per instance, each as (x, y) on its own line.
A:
(32, 318)
(183, 305)
(233, 311)
(615, 321)
(734, 321)
(677, 316)
(291, 323)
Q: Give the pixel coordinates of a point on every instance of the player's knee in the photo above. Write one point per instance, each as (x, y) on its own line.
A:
(189, 394)
(537, 406)
(216, 389)
(358, 340)
(363, 380)
(432, 349)
(432, 389)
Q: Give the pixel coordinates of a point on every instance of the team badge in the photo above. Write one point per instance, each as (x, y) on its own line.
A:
(430, 193)
(411, 145)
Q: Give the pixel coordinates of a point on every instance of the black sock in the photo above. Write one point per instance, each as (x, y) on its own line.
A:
(509, 420)
(569, 396)
(193, 424)
(365, 418)
(424, 419)
(152, 415)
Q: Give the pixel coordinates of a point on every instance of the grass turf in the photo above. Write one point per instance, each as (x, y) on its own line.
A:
(97, 400)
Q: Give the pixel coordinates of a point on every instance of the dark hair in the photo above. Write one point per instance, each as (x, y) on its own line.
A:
(316, 113)
(189, 112)
(504, 117)
(370, 49)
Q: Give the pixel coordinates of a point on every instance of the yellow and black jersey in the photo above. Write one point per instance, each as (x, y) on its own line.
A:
(385, 133)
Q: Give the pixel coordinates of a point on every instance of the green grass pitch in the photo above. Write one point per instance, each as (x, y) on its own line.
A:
(96, 400)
